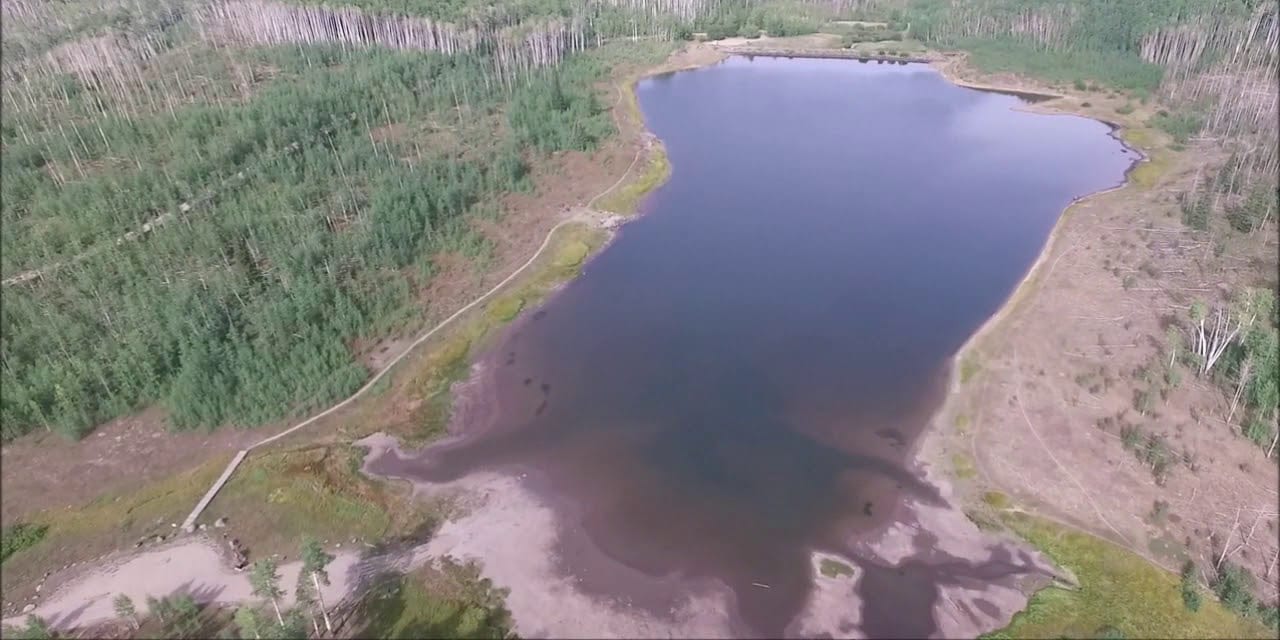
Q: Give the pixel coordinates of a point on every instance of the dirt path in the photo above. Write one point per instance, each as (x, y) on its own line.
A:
(189, 523)
(29, 490)
(586, 215)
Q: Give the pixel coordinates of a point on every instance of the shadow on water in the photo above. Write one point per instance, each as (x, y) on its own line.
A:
(740, 378)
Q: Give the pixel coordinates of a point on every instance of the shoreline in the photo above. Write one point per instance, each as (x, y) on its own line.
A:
(654, 148)
(1028, 284)
(580, 214)
(894, 547)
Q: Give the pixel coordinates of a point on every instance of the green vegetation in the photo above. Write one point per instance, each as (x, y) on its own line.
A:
(309, 610)
(113, 521)
(1239, 349)
(124, 609)
(963, 467)
(1146, 175)
(1151, 449)
(444, 367)
(452, 601)
(240, 312)
(969, 367)
(20, 536)
(506, 309)
(749, 19)
(1234, 588)
(276, 498)
(179, 615)
(34, 629)
(1190, 587)
(571, 254)
(1007, 55)
(1251, 213)
(859, 33)
(1131, 47)
(1245, 202)
(835, 569)
(996, 500)
(1181, 126)
(626, 197)
(1118, 591)
(1195, 211)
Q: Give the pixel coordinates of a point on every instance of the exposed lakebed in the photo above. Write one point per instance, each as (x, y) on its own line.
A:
(738, 380)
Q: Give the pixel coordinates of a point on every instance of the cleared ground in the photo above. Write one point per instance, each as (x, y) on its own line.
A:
(1044, 396)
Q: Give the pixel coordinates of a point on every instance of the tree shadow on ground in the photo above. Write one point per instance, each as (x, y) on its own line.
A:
(400, 605)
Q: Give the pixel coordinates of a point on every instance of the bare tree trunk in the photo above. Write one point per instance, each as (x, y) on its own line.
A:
(1244, 378)
(320, 599)
(1227, 545)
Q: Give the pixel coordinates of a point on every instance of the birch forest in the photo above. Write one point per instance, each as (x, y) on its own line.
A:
(207, 202)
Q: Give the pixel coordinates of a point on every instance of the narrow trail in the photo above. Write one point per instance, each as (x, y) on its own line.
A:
(585, 215)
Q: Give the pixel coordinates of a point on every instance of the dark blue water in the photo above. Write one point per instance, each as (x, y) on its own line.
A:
(738, 379)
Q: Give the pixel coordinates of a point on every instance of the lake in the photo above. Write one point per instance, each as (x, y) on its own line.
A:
(740, 377)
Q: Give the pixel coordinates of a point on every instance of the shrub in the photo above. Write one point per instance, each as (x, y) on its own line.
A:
(20, 536)
(1195, 211)
(1190, 590)
(1259, 431)
(1179, 125)
(1234, 587)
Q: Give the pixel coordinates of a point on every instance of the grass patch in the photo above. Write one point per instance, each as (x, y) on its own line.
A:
(1147, 174)
(111, 522)
(506, 309)
(888, 47)
(834, 568)
(1181, 125)
(996, 500)
(1118, 590)
(969, 367)
(450, 602)
(571, 254)
(443, 367)
(276, 498)
(983, 520)
(963, 466)
(1140, 138)
(380, 387)
(20, 536)
(626, 198)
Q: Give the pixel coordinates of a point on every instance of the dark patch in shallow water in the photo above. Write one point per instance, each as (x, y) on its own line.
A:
(741, 374)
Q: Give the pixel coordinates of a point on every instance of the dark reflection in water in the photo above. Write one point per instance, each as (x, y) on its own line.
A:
(738, 379)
